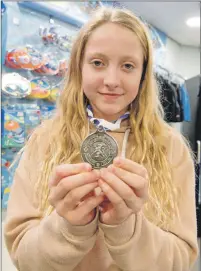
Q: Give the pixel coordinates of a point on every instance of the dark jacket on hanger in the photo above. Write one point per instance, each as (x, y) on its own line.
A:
(198, 119)
(170, 99)
(180, 118)
(198, 166)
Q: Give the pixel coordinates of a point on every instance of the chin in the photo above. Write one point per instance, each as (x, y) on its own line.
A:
(110, 109)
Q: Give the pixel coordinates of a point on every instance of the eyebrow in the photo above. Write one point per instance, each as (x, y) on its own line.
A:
(97, 55)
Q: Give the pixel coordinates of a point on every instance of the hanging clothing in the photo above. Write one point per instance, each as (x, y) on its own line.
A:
(179, 101)
(198, 198)
(198, 168)
(170, 100)
(198, 119)
(186, 102)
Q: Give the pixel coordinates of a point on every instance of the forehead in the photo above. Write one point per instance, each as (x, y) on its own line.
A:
(112, 38)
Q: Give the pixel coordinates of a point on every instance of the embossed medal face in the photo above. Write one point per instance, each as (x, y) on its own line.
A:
(99, 149)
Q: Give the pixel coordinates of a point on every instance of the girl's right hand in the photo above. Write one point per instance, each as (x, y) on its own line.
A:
(71, 192)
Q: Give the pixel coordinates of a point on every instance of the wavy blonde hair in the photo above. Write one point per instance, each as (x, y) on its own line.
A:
(146, 120)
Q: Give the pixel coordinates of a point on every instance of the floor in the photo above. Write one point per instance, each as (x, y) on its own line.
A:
(8, 266)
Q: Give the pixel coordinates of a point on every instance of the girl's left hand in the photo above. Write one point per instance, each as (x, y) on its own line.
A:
(125, 185)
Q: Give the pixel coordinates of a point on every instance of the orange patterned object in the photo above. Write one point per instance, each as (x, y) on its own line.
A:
(11, 125)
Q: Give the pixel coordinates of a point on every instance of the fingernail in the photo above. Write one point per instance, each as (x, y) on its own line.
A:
(117, 160)
(87, 166)
(111, 168)
(97, 190)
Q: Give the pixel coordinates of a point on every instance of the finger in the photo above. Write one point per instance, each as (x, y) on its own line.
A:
(72, 182)
(133, 203)
(130, 166)
(66, 170)
(138, 183)
(73, 198)
(121, 188)
(88, 205)
(117, 202)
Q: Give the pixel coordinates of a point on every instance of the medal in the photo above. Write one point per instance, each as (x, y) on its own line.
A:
(99, 149)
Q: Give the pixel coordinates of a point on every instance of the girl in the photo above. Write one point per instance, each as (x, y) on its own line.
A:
(135, 212)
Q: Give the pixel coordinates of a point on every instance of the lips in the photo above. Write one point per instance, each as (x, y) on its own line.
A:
(111, 94)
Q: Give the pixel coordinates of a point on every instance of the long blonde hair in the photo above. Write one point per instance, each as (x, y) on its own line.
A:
(146, 120)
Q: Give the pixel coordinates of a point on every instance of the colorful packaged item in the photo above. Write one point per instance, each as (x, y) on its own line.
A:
(47, 111)
(51, 66)
(64, 43)
(10, 60)
(13, 133)
(5, 176)
(40, 89)
(63, 66)
(32, 119)
(16, 86)
(54, 94)
(5, 198)
(24, 58)
(9, 161)
(2, 122)
(49, 35)
(23, 107)
(6, 181)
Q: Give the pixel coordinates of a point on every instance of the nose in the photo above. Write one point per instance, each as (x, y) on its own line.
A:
(112, 78)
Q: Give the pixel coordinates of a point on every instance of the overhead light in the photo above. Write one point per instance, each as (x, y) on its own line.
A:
(193, 22)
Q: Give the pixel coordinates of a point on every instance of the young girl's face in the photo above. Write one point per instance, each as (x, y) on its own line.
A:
(112, 70)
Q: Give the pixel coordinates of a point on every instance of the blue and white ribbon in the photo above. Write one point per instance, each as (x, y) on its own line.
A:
(108, 126)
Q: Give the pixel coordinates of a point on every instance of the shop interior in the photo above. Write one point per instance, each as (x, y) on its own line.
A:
(46, 31)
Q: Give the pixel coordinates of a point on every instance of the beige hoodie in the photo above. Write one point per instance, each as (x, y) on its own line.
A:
(52, 244)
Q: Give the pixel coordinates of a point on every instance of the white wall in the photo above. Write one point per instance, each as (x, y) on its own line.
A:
(189, 61)
(180, 59)
(172, 56)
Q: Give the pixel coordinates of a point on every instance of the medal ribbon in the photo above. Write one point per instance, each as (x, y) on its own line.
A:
(108, 126)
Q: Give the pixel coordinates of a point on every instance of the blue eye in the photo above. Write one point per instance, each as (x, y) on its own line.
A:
(97, 63)
(129, 66)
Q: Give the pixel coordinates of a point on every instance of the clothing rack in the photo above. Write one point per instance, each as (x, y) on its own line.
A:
(175, 77)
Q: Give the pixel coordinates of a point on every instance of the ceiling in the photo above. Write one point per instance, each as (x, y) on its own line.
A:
(170, 17)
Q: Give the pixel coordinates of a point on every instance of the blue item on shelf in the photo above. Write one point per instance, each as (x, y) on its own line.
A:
(47, 111)
(32, 119)
(7, 172)
(13, 133)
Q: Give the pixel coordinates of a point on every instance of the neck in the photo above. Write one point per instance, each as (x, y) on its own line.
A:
(107, 118)
(111, 118)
